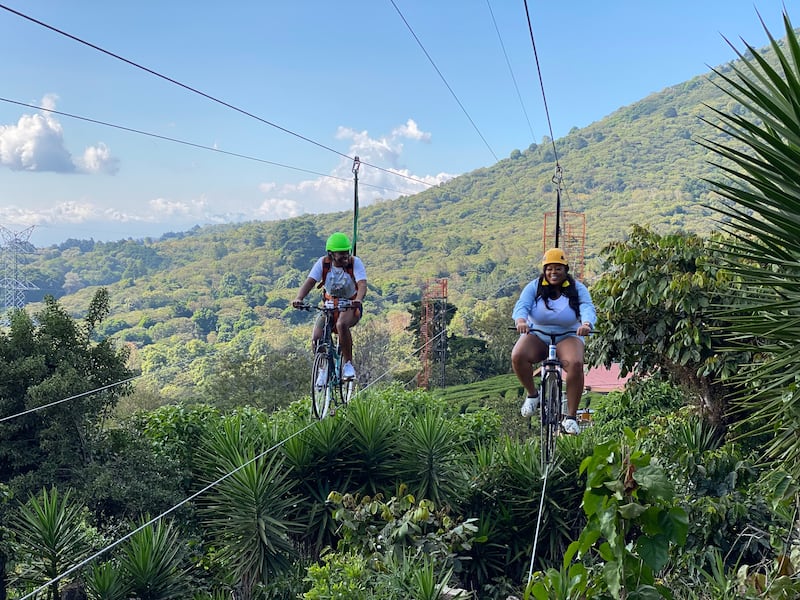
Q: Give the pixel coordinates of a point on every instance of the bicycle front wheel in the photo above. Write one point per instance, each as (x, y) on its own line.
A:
(551, 416)
(320, 394)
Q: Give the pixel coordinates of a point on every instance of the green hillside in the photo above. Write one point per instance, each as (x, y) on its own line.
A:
(182, 299)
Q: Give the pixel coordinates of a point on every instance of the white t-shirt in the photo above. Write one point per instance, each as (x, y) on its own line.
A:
(338, 283)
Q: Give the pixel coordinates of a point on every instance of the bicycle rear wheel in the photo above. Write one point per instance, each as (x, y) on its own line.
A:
(320, 395)
(348, 387)
(551, 416)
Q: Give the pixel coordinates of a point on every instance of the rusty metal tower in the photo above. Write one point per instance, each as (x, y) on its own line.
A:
(433, 331)
(572, 239)
(14, 247)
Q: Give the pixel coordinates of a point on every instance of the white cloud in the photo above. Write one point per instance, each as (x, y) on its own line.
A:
(385, 150)
(335, 193)
(63, 212)
(411, 130)
(36, 143)
(275, 209)
(161, 208)
(105, 218)
(98, 159)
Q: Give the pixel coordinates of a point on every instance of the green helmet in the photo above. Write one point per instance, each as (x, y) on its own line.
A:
(338, 242)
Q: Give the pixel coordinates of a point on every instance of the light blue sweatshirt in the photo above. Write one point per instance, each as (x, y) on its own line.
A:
(551, 321)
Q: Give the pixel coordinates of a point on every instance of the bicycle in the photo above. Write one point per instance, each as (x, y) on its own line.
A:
(551, 397)
(327, 356)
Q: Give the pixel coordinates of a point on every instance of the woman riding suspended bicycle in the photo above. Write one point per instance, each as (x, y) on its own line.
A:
(342, 277)
(555, 301)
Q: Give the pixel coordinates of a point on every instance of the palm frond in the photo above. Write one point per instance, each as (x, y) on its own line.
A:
(762, 166)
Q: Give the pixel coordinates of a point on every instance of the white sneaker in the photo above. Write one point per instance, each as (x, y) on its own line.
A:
(322, 378)
(570, 426)
(348, 372)
(529, 406)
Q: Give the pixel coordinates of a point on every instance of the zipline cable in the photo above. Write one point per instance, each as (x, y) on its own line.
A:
(195, 90)
(447, 85)
(514, 181)
(211, 148)
(541, 81)
(510, 70)
(538, 521)
(557, 178)
(100, 389)
(169, 79)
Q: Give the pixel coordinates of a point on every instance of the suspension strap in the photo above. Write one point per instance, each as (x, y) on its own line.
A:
(356, 165)
(538, 521)
(557, 177)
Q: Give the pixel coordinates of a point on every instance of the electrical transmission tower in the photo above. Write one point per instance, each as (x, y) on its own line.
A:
(12, 280)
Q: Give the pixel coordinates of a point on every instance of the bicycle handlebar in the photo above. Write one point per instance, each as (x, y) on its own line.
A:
(309, 307)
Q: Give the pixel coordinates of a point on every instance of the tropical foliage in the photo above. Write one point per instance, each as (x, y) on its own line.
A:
(763, 190)
(403, 493)
(654, 300)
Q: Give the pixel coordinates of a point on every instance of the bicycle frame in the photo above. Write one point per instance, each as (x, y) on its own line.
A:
(551, 397)
(328, 358)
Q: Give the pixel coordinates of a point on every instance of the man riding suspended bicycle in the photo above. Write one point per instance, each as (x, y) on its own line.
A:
(553, 302)
(343, 279)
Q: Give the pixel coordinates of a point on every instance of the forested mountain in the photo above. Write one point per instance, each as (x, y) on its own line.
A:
(182, 297)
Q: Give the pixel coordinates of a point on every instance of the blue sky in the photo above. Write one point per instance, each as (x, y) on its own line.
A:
(350, 78)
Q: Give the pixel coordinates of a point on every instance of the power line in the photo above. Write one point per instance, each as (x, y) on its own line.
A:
(194, 145)
(204, 94)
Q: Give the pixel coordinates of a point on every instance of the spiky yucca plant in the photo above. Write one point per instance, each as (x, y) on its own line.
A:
(51, 536)
(151, 560)
(762, 186)
(251, 513)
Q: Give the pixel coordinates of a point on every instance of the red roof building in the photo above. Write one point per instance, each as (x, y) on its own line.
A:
(603, 380)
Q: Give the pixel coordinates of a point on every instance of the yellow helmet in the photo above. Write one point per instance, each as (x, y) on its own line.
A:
(555, 256)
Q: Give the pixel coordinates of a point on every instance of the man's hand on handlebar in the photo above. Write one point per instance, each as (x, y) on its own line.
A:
(298, 303)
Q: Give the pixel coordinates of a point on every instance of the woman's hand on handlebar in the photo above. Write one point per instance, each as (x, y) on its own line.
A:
(584, 329)
(522, 326)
